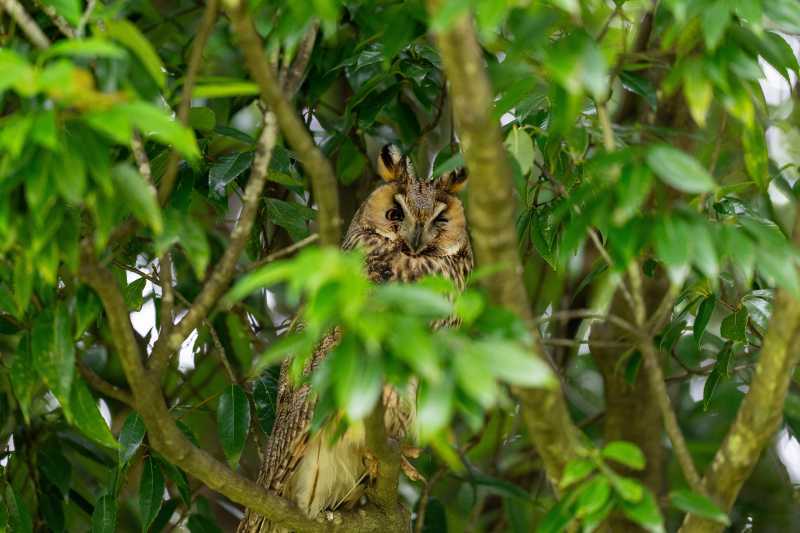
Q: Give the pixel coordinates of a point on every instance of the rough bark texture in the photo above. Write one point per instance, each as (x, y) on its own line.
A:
(491, 215)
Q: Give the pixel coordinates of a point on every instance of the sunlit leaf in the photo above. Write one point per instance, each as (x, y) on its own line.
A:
(679, 170)
(698, 505)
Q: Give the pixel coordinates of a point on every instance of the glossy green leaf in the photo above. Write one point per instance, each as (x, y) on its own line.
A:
(710, 387)
(576, 470)
(704, 313)
(734, 326)
(138, 195)
(645, 513)
(130, 36)
(89, 47)
(698, 505)
(592, 495)
(104, 517)
(87, 417)
(55, 467)
(130, 437)
(24, 379)
(624, 453)
(225, 89)
(756, 158)
(350, 163)
(233, 422)
(520, 145)
(227, 169)
(151, 492)
(679, 170)
(19, 517)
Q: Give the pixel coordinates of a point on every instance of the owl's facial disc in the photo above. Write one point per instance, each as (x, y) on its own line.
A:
(419, 228)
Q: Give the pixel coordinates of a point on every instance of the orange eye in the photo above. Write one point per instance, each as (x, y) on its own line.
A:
(394, 214)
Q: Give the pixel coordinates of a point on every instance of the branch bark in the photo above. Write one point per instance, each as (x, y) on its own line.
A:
(323, 180)
(28, 25)
(221, 276)
(387, 454)
(491, 215)
(759, 415)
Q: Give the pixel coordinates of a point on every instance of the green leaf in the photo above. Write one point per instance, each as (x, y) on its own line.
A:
(265, 398)
(89, 47)
(86, 416)
(265, 276)
(756, 158)
(225, 89)
(710, 387)
(434, 407)
(435, 517)
(679, 170)
(520, 145)
(53, 353)
(592, 496)
(19, 518)
(357, 379)
(699, 505)
(23, 281)
(130, 437)
(698, 91)
(629, 489)
(16, 72)
(517, 366)
(178, 477)
(233, 422)
(715, 21)
(624, 453)
(69, 9)
(151, 492)
(639, 85)
(576, 470)
(734, 326)
(133, 294)
(155, 122)
(350, 163)
(557, 518)
(704, 313)
(138, 195)
(128, 34)
(290, 216)
(202, 118)
(104, 517)
(500, 486)
(24, 379)
(227, 169)
(645, 512)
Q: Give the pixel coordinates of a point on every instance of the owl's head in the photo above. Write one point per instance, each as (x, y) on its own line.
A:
(425, 217)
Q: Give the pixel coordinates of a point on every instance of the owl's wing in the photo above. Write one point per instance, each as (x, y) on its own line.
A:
(287, 442)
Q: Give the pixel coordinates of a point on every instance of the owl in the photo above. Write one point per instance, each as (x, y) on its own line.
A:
(407, 228)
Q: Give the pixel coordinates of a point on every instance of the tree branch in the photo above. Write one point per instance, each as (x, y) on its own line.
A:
(28, 25)
(195, 58)
(292, 79)
(104, 387)
(491, 216)
(60, 22)
(169, 440)
(323, 180)
(218, 281)
(759, 415)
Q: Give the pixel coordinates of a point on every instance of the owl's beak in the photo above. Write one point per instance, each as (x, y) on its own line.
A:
(414, 238)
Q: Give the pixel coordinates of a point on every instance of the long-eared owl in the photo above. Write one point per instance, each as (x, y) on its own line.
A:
(408, 228)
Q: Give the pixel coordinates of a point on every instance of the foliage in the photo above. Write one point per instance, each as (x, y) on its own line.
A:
(644, 126)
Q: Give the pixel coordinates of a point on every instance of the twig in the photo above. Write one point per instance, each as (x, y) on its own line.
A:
(85, 18)
(142, 161)
(570, 314)
(104, 387)
(167, 292)
(195, 59)
(283, 252)
(24, 21)
(60, 22)
(220, 349)
(571, 343)
(221, 276)
(655, 377)
(292, 79)
(323, 180)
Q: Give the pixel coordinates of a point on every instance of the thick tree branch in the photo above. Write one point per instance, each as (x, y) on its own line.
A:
(387, 455)
(323, 180)
(491, 215)
(169, 440)
(28, 25)
(226, 267)
(195, 58)
(759, 415)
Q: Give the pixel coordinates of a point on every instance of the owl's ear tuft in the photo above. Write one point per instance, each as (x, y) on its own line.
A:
(453, 181)
(390, 163)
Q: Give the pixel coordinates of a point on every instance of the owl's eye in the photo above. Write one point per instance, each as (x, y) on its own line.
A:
(394, 214)
(441, 219)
